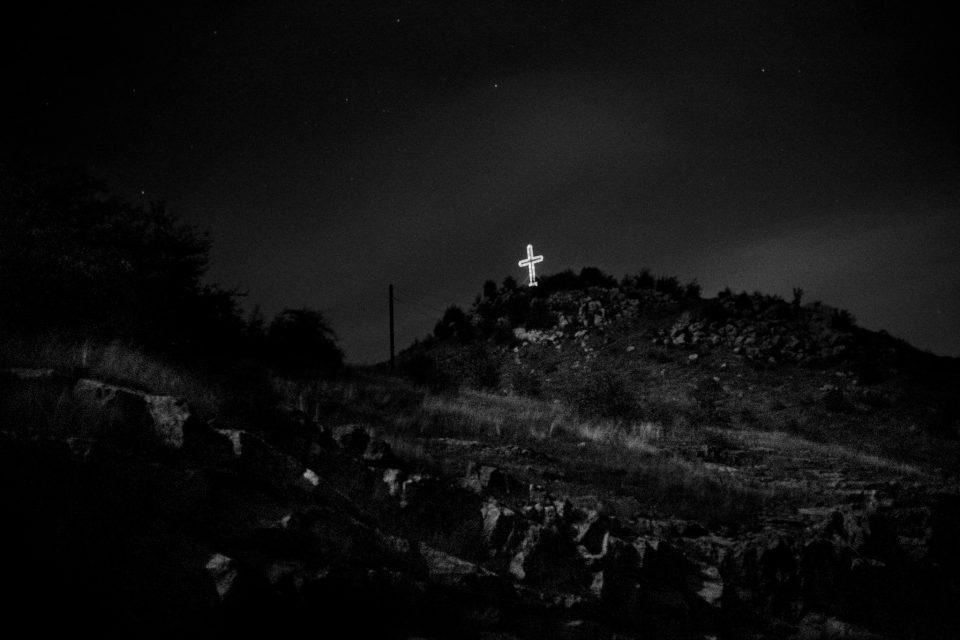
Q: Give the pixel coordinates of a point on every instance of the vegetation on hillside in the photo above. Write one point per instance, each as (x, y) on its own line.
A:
(78, 264)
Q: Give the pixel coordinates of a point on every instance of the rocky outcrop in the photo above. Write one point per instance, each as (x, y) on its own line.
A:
(134, 417)
(185, 527)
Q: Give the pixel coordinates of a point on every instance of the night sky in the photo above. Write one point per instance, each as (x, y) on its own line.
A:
(332, 148)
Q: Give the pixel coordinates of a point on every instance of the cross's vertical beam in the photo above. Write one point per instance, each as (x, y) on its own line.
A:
(529, 262)
(390, 292)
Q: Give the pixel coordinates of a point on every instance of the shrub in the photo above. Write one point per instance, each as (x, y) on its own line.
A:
(842, 320)
(525, 382)
(302, 340)
(75, 259)
(540, 316)
(453, 323)
(708, 394)
(483, 369)
(594, 277)
(645, 280)
(423, 369)
(670, 286)
(599, 391)
(692, 290)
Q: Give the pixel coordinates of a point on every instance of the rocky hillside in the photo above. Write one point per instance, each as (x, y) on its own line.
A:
(632, 334)
(145, 517)
(595, 460)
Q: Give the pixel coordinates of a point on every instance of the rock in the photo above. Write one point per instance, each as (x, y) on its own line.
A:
(393, 479)
(580, 630)
(379, 454)
(29, 374)
(538, 493)
(591, 531)
(272, 467)
(342, 472)
(817, 626)
(450, 571)
(498, 527)
(234, 438)
(419, 489)
(331, 532)
(490, 479)
(707, 585)
(546, 559)
(353, 439)
(135, 417)
(223, 572)
(294, 432)
(169, 416)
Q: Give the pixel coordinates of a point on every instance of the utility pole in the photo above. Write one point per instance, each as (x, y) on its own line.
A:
(390, 291)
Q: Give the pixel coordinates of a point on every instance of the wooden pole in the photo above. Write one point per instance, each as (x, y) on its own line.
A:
(390, 291)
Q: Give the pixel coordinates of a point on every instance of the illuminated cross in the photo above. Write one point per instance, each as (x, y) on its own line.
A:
(529, 262)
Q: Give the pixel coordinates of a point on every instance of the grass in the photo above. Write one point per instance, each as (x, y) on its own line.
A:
(237, 394)
(643, 456)
(626, 460)
(113, 362)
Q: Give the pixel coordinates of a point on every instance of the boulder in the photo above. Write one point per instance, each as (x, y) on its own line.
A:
(498, 527)
(450, 571)
(590, 531)
(491, 480)
(134, 417)
(393, 479)
(352, 438)
(379, 454)
(270, 466)
(545, 558)
(223, 572)
(343, 472)
(817, 626)
(338, 536)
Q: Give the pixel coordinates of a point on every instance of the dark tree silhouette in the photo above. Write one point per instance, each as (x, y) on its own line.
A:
(74, 258)
(453, 323)
(302, 340)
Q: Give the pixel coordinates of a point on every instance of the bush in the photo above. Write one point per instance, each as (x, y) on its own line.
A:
(670, 286)
(708, 394)
(540, 316)
(74, 259)
(525, 382)
(453, 323)
(483, 369)
(842, 320)
(302, 340)
(599, 391)
(423, 369)
(594, 277)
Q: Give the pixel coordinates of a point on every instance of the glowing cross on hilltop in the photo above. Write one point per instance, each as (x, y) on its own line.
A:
(529, 262)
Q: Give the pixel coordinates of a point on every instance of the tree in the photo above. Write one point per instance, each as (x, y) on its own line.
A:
(74, 258)
(302, 340)
(453, 323)
(594, 277)
(670, 286)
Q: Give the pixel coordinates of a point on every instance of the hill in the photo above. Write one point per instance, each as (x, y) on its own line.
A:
(648, 348)
(587, 459)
